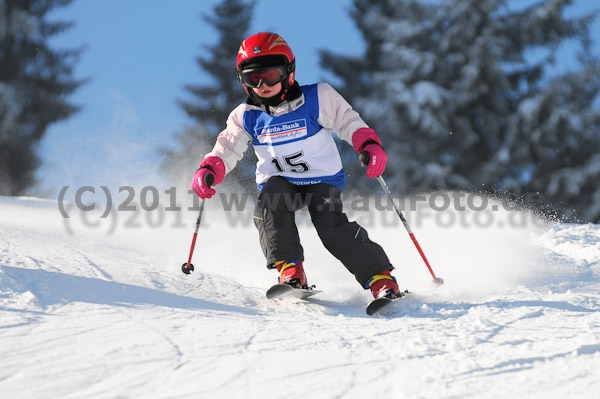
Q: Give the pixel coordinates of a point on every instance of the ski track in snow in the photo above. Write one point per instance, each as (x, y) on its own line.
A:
(91, 315)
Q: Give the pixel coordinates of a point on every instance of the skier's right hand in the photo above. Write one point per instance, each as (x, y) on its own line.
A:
(211, 172)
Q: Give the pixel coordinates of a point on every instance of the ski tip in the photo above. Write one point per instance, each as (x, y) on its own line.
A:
(287, 291)
(381, 306)
(438, 281)
(377, 306)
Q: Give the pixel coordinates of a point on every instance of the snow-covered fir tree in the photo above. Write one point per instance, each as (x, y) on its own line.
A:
(459, 104)
(212, 102)
(35, 81)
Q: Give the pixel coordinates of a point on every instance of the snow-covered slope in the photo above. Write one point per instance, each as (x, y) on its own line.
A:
(92, 311)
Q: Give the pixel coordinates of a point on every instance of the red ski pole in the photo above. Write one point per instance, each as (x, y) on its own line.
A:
(364, 159)
(187, 267)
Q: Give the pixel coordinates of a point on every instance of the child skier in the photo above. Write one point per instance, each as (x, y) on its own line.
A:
(298, 164)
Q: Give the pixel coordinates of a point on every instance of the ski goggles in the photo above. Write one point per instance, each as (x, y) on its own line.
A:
(270, 76)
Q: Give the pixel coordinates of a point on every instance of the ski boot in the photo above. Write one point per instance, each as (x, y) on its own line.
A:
(291, 273)
(383, 285)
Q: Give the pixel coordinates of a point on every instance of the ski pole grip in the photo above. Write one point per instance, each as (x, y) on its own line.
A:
(209, 179)
(364, 158)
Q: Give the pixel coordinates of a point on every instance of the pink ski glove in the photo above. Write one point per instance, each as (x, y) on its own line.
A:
(210, 173)
(366, 140)
(377, 160)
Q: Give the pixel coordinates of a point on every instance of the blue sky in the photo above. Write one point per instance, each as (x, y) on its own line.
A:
(139, 56)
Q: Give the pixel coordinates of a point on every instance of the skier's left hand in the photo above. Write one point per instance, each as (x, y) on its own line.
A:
(366, 140)
(377, 159)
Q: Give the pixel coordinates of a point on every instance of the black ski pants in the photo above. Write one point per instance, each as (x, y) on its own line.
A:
(274, 217)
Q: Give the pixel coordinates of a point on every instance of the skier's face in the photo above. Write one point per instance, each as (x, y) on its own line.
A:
(265, 91)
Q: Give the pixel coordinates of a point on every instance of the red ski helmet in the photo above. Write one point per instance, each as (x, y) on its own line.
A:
(266, 49)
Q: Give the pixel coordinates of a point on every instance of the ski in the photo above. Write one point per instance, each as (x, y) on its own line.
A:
(382, 305)
(287, 291)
